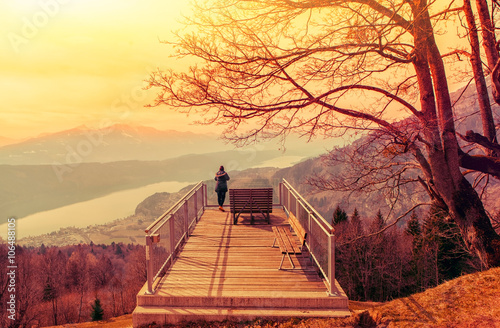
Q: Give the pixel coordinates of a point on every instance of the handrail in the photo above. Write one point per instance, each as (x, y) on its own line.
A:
(321, 238)
(148, 229)
(327, 225)
(165, 236)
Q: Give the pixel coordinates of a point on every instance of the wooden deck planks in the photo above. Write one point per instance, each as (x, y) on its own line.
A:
(225, 259)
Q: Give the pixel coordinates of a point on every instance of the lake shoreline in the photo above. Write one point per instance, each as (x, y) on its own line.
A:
(101, 210)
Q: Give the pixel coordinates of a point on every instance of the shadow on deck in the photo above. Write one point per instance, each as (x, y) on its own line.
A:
(227, 271)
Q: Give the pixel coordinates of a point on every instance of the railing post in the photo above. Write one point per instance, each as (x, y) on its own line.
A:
(205, 196)
(196, 205)
(280, 187)
(331, 261)
(186, 220)
(288, 201)
(309, 231)
(149, 264)
(172, 234)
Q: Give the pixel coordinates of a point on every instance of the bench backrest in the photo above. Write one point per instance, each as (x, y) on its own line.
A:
(251, 199)
(297, 227)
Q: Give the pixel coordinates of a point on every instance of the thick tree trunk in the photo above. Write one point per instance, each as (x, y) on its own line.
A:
(474, 224)
(463, 202)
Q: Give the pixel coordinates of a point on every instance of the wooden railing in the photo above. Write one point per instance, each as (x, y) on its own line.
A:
(165, 236)
(320, 234)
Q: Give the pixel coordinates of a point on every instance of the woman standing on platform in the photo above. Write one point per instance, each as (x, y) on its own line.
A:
(221, 186)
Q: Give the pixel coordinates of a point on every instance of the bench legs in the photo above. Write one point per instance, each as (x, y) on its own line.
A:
(252, 218)
(283, 258)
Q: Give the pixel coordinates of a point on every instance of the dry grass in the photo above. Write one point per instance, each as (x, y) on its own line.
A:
(470, 301)
(124, 321)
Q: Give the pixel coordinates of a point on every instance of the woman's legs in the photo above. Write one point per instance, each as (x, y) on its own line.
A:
(221, 197)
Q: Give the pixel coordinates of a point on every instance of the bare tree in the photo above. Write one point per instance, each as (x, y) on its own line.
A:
(28, 289)
(52, 272)
(331, 68)
(78, 278)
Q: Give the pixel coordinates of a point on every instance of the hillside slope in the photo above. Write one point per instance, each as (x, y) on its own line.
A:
(468, 301)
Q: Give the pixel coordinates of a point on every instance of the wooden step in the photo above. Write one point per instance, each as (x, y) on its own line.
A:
(264, 297)
(174, 315)
(247, 300)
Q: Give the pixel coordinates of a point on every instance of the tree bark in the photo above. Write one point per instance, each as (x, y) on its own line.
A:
(488, 33)
(477, 229)
(463, 202)
(477, 69)
(490, 48)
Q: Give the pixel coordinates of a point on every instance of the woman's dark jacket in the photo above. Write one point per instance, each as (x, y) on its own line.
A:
(221, 178)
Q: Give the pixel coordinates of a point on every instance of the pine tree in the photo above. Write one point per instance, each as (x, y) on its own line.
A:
(339, 215)
(438, 252)
(414, 272)
(451, 253)
(118, 251)
(378, 222)
(413, 225)
(97, 311)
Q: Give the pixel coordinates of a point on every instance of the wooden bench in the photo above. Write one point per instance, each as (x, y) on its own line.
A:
(251, 201)
(287, 242)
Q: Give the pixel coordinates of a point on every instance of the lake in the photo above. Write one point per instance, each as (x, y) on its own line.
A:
(281, 162)
(100, 210)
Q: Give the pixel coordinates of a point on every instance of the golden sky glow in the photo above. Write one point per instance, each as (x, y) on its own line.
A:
(65, 63)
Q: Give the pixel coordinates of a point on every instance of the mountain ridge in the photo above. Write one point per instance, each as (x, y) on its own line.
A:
(107, 144)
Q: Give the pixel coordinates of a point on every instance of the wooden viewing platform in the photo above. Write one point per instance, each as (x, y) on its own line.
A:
(227, 271)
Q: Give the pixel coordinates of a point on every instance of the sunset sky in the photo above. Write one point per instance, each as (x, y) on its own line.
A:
(65, 63)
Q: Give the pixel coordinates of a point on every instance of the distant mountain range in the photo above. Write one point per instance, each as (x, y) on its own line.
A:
(122, 142)
(79, 164)
(114, 143)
